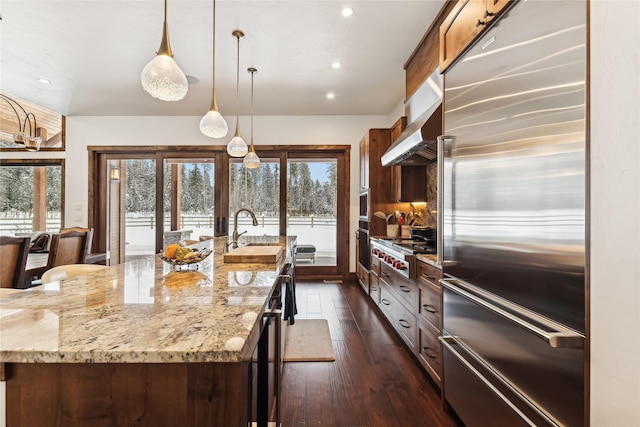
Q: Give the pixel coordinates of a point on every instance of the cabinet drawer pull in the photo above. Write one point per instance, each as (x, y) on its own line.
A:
(385, 274)
(385, 301)
(430, 352)
(429, 308)
(479, 23)
(403, 288)
(404, 323)
(426, 276)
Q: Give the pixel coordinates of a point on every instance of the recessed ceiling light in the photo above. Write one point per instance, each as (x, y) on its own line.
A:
(347, 11)
(45, 81)
(336, 65)
(331, 95)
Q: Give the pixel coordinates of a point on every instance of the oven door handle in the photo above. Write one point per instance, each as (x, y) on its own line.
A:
(555, 335)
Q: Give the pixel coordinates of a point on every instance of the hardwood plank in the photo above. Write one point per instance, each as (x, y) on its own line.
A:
(374, 380)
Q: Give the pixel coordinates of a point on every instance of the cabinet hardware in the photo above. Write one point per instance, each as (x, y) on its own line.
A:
(385, 301)
(426, 276)
(479, 23)
(404, 323)
(488, 14)
(429, 352)
(403, 288)
(429, 308)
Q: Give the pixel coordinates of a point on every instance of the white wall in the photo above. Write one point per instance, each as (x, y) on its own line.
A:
(615, 213)
(183, 130)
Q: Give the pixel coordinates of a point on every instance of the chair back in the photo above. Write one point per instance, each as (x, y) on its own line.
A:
(62, 272)
(13, 260)
(68, 248)
(89, 239)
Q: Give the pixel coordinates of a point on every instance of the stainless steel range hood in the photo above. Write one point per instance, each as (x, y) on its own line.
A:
(416, 145)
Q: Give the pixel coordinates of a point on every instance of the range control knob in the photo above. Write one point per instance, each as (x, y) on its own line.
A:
(401, 266)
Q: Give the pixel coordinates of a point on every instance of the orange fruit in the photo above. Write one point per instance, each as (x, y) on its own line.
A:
(170, 250)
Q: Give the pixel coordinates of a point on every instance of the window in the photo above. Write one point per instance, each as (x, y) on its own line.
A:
(31, 196)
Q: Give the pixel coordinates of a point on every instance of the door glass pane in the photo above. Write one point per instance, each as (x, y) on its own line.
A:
(139, 177)
(194, 204)
(312, 209)
(256, 189)
(30, 199)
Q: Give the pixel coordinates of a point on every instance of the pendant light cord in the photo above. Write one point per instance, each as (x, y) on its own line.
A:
(238, 87)
(252, 72)
(214, 102)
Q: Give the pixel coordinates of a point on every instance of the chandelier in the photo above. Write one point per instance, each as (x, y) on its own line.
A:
(30, 141)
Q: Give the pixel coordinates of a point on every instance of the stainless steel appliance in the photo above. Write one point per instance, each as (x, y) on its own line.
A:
(365, 205)
(400, 253)
(513, 220)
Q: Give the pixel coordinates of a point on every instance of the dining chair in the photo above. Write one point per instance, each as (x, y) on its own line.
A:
(69, 247)
(13, 259)
(89, 230)
(62, 272)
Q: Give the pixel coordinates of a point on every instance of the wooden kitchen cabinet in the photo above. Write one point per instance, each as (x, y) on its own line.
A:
(362, 274)
(409, 183)
(464, 23)
(400, 318)
(429, 350)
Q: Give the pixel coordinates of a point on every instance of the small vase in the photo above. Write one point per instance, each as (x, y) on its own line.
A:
(392, 230)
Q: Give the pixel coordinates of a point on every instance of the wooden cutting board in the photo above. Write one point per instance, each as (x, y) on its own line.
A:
(258, 254)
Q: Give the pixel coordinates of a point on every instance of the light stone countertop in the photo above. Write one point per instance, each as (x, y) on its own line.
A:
(141, 311)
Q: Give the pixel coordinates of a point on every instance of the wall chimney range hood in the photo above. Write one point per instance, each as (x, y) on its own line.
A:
(417, 144)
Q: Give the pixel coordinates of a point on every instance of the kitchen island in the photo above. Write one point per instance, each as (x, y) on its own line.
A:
(139, 344)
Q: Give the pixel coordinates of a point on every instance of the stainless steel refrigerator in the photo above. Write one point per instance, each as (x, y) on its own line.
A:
(513, 192)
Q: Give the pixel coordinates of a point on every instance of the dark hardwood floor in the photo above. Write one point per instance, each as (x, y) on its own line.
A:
(374, 381)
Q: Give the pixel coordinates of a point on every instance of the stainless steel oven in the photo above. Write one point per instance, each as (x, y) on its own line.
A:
(365, 205)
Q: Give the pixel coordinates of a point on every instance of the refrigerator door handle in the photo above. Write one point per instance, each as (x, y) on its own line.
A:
(442, 139)
(555, 335)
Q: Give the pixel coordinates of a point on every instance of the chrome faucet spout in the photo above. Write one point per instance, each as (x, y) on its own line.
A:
(236, 235)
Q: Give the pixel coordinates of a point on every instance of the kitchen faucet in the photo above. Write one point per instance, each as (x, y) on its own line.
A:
(237, 235)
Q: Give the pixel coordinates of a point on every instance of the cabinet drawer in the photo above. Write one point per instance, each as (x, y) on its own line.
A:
(431, 303)
(375, 265)
(430, 351)
(374, 288)
(428, 272)
(363, 277)
(400, 318)
(405, 289)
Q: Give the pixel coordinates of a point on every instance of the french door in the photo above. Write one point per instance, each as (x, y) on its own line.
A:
(164, 195)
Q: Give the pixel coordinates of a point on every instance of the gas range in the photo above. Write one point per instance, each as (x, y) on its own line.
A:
(400, 254)
(411, 245)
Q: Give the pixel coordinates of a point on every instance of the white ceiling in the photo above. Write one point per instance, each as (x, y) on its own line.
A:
(93, 53)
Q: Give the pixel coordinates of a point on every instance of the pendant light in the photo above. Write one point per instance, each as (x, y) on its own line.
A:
(251, 160)
(213, 124)
(237, 147)
(162, 78)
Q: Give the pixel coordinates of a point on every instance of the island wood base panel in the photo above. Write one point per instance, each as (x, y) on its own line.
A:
(101, 395)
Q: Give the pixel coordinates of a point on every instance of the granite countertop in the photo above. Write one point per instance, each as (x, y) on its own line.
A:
(142, 311)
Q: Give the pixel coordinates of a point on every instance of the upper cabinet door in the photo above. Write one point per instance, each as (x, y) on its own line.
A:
(465, 22)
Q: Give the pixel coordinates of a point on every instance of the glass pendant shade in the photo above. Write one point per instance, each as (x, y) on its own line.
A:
(251, 160)
(237, 147)
(162, 78)
(32, 143)
(214, 125)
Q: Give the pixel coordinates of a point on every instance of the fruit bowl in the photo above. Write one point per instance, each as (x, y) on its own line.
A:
(198, 256)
